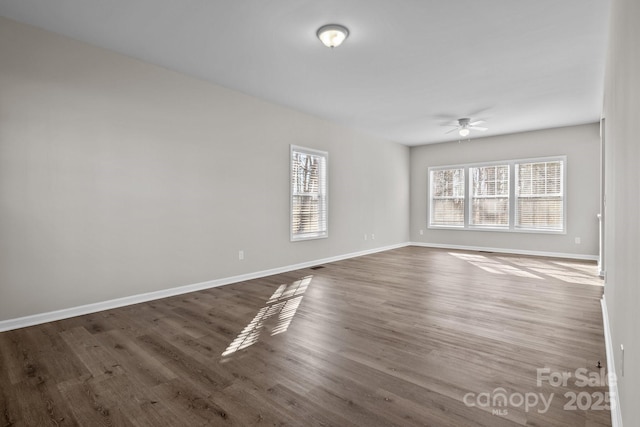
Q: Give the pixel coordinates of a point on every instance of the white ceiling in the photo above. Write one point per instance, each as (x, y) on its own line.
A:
(407, 68)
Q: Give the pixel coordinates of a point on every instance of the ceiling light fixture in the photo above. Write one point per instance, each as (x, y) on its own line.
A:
(464, 132)
(332, 35)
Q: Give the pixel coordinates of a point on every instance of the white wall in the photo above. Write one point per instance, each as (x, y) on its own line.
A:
(622, 191)
(581, 146)
(118, 178)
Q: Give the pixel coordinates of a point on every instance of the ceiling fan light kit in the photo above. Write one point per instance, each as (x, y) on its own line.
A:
(465, 126)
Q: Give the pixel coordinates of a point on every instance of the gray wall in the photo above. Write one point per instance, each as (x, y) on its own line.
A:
(622, 191)
(581, 146)
(118, 178)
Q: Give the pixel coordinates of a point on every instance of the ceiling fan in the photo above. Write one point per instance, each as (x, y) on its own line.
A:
(465, 126)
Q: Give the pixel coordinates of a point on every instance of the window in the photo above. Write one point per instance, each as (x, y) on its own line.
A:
(308, 194)
(447, 201)
(515, 195)
(489, 195)
(540, 203)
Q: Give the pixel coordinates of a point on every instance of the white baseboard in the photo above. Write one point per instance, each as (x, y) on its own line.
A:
(616, 414)
(508, 251)
(51, 316)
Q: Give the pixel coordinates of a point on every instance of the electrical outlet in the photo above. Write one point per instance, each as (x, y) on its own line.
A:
(240, 255)
(373, 237)
(578, 240)
(421, 232)
(365, 236)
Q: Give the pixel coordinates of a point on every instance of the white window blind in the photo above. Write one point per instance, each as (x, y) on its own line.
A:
(489, 187)
(539, 195)
(308, 194)
(447, 197)
(521, 195)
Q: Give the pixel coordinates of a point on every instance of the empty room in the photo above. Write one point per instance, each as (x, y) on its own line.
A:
(362, 213)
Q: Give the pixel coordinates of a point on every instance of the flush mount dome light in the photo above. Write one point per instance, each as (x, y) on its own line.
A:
(464, 132)
(332, 35)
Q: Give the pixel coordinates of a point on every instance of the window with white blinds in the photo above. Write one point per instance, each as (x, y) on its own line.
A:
(489, 196)
(447, 197)
(539, 195)
(524, 195)
(309, 198)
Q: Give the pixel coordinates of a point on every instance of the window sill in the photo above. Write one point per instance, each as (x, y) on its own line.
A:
(496, 229)
(305, 238)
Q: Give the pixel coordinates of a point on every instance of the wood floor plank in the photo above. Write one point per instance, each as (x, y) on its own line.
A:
(136, 363)
(54, 354)
(91, 352)
(411, 336)
(90, 403)
(10, 413)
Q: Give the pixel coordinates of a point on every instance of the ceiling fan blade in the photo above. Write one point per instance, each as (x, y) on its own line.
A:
(478, 128)
(477, 122)
(452, 130)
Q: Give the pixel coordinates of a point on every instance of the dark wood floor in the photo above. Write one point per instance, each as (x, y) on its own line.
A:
(403, 337)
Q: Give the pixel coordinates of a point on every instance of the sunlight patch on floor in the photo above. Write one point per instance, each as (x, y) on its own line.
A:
(565, 271)
(284, 303)
(493, 266)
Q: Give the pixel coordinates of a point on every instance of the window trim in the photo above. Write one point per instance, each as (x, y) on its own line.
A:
(512, 228)
(464, 196)
(320, 234)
